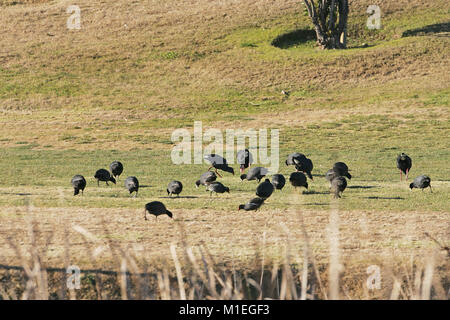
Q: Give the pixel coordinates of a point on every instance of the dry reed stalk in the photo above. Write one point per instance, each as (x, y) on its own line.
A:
(334, 267)
(173, 251)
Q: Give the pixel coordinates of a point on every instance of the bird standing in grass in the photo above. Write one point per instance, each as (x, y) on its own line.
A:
(341, 170)
(304, 165)
(78, 183)
(132, 185)
(116, 168)
(104, 175)
(174, 187)
(206, 178)
(421, 182)
(297, 156)
(278, 181)
(298, 179)
(404, 164)
(245, 159)
(217, 187)
(264, 190)
(218, 163)
(338, 186)
(156, 208)
(253, 204)
(256, 173)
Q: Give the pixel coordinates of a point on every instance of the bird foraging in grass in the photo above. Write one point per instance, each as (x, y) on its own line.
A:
(298, 179)
(116, 168)
(206, 178)
(217, 187)
(218, 163)
(265, 189)
(256, 173)
(253, 204)
(421, 182)
(78, 183)
(104, 175)
(156, 208)
(278, 181)
(132, 185)
(174, 187)
(404, 164)
(341, 170)
(338, 186)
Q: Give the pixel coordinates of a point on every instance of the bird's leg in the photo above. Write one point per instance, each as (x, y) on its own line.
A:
(107, 183)
(431, 190)
(401, 176)
(145, 215)
(218, 173)
(407, 172)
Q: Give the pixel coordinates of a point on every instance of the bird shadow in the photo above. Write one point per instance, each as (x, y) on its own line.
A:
(316, 204)
(19, 194)
(180, 197)
(314, 192)
(361, 187)
(384, 198)
(144, 186)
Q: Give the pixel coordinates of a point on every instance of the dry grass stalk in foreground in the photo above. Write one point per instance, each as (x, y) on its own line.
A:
(201, 277)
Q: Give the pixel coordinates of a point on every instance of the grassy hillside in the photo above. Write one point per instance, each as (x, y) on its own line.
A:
(72, 101)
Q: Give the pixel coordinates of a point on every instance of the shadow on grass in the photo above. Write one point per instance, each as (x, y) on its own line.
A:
(361, 187)
(427, 30)
(314, 192)
(18, 194)
(293, 38)
(180, 197)
(385, 198)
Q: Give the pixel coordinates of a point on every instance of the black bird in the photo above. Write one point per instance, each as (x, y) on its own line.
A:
(78, 183)
(330, 175)
(421, 182)
(298, 179)
(278, 181)
(256, 173)
(217, 162)
(116, 168)
(265, 189)
(174, 187)
(217, 187)
(245, 159)
(338, 186)
(156, 208)
(404, 164)
(297, 156)
(341, 170)
(132, 185)
(253, 204)
(104, 175)
(206, 178)
(304, 165)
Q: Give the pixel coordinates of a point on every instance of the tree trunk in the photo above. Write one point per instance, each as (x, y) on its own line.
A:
(329, 18)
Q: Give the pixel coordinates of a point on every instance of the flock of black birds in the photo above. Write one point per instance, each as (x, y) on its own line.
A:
(336, 176)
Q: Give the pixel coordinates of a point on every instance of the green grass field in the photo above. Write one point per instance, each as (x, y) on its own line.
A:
(71, 102)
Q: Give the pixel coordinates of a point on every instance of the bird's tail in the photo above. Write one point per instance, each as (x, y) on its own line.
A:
(169, 213)
(349, 175)
(76, 191)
